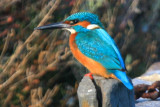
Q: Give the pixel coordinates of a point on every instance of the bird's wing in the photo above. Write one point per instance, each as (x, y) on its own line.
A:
(99, 46)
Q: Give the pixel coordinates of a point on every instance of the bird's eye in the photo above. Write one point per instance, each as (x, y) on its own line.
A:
(72, 22)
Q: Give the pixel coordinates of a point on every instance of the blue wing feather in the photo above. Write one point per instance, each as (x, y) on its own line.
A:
(105, 34)
(98, 45)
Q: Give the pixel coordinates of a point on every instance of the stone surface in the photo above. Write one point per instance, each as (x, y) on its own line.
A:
(114, 93)
(87, 94)
(154, 67)
(104, 93)
(152, 75)
(143, 102)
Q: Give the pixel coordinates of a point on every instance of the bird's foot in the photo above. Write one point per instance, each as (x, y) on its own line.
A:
(89, 75)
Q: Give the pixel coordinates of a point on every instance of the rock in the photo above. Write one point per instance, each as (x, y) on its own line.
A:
(87, 93)
(151, 75)
(154, 67)
(104, 93)
(143, 102)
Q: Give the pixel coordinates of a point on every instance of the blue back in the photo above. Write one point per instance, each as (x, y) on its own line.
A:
(98, 45)
(94, 42)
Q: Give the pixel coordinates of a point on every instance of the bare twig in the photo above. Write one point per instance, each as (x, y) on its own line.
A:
(5, 3)
(9, 35)
(37, 100)
(35, 34)
(22, 66)
(76, 6)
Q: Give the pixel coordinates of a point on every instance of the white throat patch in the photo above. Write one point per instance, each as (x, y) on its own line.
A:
(92, 26)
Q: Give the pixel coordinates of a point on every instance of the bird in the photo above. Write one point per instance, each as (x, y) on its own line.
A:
(93, 47)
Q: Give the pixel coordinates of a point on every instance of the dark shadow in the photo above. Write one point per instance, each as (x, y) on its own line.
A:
(99, 93)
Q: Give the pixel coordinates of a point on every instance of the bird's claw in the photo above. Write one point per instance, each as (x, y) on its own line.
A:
(89, 75)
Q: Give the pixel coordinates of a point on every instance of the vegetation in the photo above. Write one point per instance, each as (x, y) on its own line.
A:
(37, 68)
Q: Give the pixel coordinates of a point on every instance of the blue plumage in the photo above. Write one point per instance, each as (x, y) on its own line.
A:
(94, 43)
(82, 16)
(123, 78)
(79, 28)
(99, 37)
(98, 45)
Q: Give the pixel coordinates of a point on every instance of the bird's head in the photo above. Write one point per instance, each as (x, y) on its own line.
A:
(78, 22)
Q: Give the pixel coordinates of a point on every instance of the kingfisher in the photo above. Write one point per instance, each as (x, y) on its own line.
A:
(93, 47)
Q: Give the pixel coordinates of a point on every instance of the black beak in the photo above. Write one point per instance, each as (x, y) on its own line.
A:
(58, 25)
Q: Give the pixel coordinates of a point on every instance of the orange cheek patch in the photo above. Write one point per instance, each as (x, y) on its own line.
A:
(83, 24)
(67, 22)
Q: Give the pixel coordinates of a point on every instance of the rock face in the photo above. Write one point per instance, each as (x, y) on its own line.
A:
(143, 102)
(104, 93)
(87, 93)
(151, 75)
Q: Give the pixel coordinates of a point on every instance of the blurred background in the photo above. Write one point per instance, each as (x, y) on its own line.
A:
(37, 68)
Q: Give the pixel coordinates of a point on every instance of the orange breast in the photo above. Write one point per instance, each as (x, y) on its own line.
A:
(93, 66)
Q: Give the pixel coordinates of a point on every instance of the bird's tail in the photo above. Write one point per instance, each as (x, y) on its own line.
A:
(123, 78)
